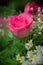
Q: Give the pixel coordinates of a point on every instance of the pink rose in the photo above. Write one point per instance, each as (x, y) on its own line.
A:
(20, 24)
(32, 7)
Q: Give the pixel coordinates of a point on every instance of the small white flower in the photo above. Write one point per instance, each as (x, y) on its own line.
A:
(34, 22)
(36, 59)
(33, 60)
(29, 54)
(35, 51)
(42, 49)
(22, 59)
(34, 34)
(29, 45)
(32, 9)
(39, 33)
(39, 27)
(39, 20)
(39, 9)
(18, 57)
(38, 48)
(25, 63)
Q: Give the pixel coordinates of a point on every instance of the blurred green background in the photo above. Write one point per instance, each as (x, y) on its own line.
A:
(12, 7)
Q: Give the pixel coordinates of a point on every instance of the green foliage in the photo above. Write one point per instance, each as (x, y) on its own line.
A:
(8, 10)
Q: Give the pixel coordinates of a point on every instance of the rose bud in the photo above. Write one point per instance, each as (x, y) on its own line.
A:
(33, 8)
(27, 8)
(20, 25)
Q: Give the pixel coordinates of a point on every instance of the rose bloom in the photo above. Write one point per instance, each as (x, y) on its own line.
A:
(20, 25)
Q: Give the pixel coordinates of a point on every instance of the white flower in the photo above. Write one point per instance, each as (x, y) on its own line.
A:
(39, 27)
(22, 59)
(25, 63)
(33, 57)
(34, 34)
(29, 54)
(34, 22)
(39, 33)
(35, 51)
(42, 49)
(38, 48)
(39, 9)
(40, 58)
(33, 60)
(39, 20)
(29, 45)
(37, 59)
(32, 9)
(18, 57)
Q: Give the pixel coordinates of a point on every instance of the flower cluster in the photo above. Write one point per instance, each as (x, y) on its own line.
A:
(38, 23)
(32, 57)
